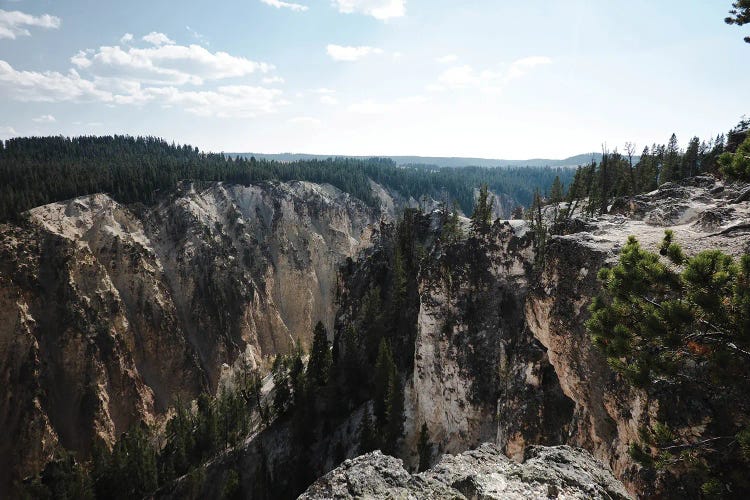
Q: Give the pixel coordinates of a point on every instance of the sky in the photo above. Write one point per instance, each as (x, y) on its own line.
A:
(480, 78)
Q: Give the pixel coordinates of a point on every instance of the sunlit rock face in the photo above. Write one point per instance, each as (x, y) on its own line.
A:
(502, 353)
(479, 374)
(110, 312)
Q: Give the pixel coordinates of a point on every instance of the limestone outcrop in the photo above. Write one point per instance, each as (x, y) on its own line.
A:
(554, 472)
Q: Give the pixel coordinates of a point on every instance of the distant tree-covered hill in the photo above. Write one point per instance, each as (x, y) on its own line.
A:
(440, 161)
(39, 170)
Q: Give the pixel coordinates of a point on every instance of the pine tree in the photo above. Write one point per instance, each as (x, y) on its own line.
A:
(481, 218)
(385, 369)
(207, 426)
(630, 151)
(394, 413)
(539, 228)
(604, 184)
(129, 471)
(690, 159)
(398, 289)
(297, 376)
(424, 448)
(737, 165)
(283, 393)
(451, 231)
(63, 477)
(686, 323)
(179, 449)
(556, 191)
(372, 322)
(739, 15)
(319, 365)
(671, 168)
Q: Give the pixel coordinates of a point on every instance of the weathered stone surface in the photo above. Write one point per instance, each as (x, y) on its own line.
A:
(484, 473)
(108, 312)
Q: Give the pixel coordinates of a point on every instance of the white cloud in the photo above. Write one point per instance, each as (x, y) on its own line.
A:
(49, 86)
(305, 121)
(126, 38)
(466, 77)
(414, 99)
(286, 5)
(372, 107)
(153, 75)
(157, 39)
(44, 119)
(224, 101)
(447, 59)
(344, 53)
(166, 64)
(522, 66)
(328, 100)
(7, 133)
(379, 9)
(231, 101)
(368, 107)
(270, 80)
(13, 23)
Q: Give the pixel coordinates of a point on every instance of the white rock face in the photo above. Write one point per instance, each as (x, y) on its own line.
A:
(552, 385)
(108, 312)
(478, 374)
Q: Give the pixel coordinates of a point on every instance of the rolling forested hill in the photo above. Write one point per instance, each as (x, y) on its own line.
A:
(39, 170)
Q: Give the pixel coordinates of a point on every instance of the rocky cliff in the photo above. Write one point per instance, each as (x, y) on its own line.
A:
(704, 214)
(110, 312)
(559, 472)
(500, 353)
(501, 350)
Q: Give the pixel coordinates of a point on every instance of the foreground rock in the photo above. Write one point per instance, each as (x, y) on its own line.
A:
(555, 472)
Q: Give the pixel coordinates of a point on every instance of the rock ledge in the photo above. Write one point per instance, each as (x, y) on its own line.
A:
(547, 472)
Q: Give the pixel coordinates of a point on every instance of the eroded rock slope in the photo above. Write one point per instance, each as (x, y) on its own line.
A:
(502, 353)
(108, 312)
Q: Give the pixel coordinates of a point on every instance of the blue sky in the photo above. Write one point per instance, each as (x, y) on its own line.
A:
(494, 78)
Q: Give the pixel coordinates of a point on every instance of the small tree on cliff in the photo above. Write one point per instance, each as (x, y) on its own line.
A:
(385, 370)
(481, 218)
(424, 448)
(539, 228)
(556, 193)
(684, 323)
(283, 393)
(737, 165)
(394, 414)
(653, 317)
(451, 231)
(319, 366)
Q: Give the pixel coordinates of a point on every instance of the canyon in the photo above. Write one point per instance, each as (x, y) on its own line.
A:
(108, 313)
